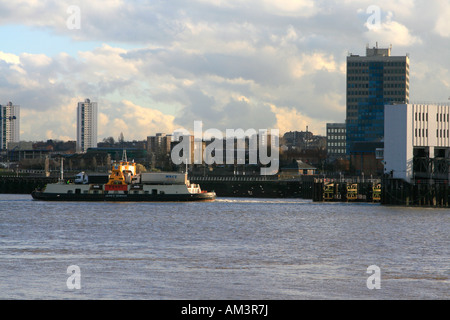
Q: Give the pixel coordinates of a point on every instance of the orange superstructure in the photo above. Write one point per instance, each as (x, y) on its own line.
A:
(121, 174)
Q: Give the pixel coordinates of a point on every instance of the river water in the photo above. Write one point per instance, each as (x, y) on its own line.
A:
(233, 248)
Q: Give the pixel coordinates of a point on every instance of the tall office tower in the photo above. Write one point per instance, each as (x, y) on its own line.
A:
(373, 81)
(86, 125)
(10, 123)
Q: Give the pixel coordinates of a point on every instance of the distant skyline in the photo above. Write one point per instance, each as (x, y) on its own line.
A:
(155, 66)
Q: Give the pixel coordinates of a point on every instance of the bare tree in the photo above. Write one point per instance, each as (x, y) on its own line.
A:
(121, 138)
(109, 140)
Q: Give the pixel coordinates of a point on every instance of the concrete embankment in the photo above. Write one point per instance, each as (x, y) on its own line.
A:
(258, 189)
(23, 185)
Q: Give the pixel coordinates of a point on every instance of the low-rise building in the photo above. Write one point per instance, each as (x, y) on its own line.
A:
(295, 169)
(417, 141)
(336, 141)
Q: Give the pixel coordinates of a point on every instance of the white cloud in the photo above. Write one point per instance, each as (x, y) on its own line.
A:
(108, 62)
(9, 58)
(139, 122)
(307, 64)
(442, 26)
(290, 119)
(34, 60)
(232, 64)
(393, 32)
(294, 8)
(57, 124)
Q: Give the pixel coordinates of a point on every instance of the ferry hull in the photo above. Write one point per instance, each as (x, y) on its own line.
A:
(206, 196)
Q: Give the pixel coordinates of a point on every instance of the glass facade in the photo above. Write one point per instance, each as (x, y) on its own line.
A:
(372, 82)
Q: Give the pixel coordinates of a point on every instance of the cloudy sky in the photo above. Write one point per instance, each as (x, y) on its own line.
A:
(158, 65)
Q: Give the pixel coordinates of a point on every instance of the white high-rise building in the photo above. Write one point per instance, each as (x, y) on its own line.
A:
(10, 124)
(86, 125)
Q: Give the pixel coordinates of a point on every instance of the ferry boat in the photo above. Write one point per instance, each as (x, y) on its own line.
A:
(124, 184)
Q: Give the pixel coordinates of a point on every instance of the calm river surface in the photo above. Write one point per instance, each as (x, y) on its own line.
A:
(228, 249)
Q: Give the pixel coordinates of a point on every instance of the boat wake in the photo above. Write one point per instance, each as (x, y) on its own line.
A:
(267, 201)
